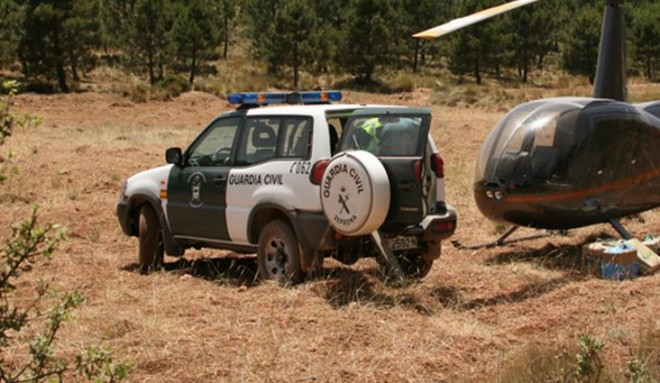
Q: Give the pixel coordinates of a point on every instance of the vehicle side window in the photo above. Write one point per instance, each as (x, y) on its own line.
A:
(214, 147)
(265, 138)
(296, 138)
(259, 141)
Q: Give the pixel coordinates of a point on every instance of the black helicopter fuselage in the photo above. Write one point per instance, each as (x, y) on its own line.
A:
(570, 162)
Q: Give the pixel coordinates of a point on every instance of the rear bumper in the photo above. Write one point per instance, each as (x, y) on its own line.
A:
(437, 227)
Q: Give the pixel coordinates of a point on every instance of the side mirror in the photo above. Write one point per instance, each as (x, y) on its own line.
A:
(173, 156)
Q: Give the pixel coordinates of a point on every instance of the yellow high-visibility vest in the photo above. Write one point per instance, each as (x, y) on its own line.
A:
(372, 127)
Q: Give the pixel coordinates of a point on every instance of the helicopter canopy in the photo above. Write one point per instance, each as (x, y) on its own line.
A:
(530, 141)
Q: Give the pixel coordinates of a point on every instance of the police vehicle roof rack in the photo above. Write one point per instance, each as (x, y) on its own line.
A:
(247, 100)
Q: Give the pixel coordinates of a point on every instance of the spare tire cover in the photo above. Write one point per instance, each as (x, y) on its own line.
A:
(355, 193)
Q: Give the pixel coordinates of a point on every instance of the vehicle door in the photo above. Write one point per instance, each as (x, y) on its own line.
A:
(197, 188)
(272, 167)
(398, 137)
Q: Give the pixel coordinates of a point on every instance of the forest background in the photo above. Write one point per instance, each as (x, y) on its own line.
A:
(241, 45)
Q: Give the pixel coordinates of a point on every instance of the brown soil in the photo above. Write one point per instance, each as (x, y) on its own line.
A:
(205, 319)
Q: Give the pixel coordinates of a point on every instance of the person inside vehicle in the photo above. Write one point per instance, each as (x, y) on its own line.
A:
(399, 137)
(367, 136)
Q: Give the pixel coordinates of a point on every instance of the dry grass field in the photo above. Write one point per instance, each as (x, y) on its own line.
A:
(490, 315)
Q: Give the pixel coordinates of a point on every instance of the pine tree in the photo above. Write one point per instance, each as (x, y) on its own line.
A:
(331, 20)
(646, 37)
(480, 47)
(56, 34)
(373, 34)
(421, 15)
(229, 11)
(148, 33)
(141, 30)
(295, 27)
(196, 34)
(10, 14)
(259, 18)
(580, 42)
(82, 37)
(532, 32)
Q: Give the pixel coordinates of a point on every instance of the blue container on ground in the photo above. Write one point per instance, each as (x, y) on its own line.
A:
(619, 271)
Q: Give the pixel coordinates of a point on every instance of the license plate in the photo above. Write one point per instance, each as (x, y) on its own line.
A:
(402, 243)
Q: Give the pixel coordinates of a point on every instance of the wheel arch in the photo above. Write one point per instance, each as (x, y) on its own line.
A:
(265, 212)
(135, 203)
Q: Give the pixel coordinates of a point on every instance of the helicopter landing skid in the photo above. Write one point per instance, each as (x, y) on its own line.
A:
(502, 240)
(620, 229)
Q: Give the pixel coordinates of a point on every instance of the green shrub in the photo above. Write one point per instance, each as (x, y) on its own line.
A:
(173, 85)
(36, 360)
(39, 362)
(8, 121)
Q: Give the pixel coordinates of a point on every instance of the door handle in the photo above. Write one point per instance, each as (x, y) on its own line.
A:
(221, 179)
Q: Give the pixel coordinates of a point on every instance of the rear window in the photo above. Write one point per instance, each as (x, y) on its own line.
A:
(387, 135)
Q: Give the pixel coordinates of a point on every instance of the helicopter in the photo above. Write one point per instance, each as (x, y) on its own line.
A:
(568, 162)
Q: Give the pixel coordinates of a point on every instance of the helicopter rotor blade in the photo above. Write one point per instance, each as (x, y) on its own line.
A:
(471, 19)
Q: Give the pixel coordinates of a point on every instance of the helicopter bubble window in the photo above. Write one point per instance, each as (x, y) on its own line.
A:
(524, 145)
(505, 134)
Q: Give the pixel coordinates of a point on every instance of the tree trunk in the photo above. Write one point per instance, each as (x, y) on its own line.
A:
(193, 67)
(74, 65)
(226, 39)
(161, 67)
(477, 71)
(416, 56)
(296, 64)
(525, 67)
(59, 60)
(150, 67)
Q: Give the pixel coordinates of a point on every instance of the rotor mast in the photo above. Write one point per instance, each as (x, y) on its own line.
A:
(610, 81)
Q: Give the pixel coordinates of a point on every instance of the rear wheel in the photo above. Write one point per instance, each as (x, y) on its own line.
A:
(278, 253)
(151, 249)
(414, 266)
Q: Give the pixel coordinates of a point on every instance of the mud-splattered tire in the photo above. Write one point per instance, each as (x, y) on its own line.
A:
(278, 253)
(413, 266)
(151, 249)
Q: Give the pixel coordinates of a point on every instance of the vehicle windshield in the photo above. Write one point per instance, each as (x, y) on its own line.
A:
(386, 134)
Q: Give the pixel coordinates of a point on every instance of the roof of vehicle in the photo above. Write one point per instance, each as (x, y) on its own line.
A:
(310, 103)
(312, 109)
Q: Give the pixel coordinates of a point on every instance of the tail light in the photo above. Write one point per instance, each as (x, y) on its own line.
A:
(418, 168)
(443, 226)
(317, 171)
(438, 165)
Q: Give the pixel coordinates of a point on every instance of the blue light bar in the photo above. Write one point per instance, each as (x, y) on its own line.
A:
(266, 98)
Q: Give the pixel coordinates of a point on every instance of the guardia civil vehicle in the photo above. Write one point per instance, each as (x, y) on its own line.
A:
(295, 184)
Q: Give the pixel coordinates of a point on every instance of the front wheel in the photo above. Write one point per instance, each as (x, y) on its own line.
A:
(278, 253)
(151, 249)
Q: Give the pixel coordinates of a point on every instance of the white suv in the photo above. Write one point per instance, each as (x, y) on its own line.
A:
(295, 184)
